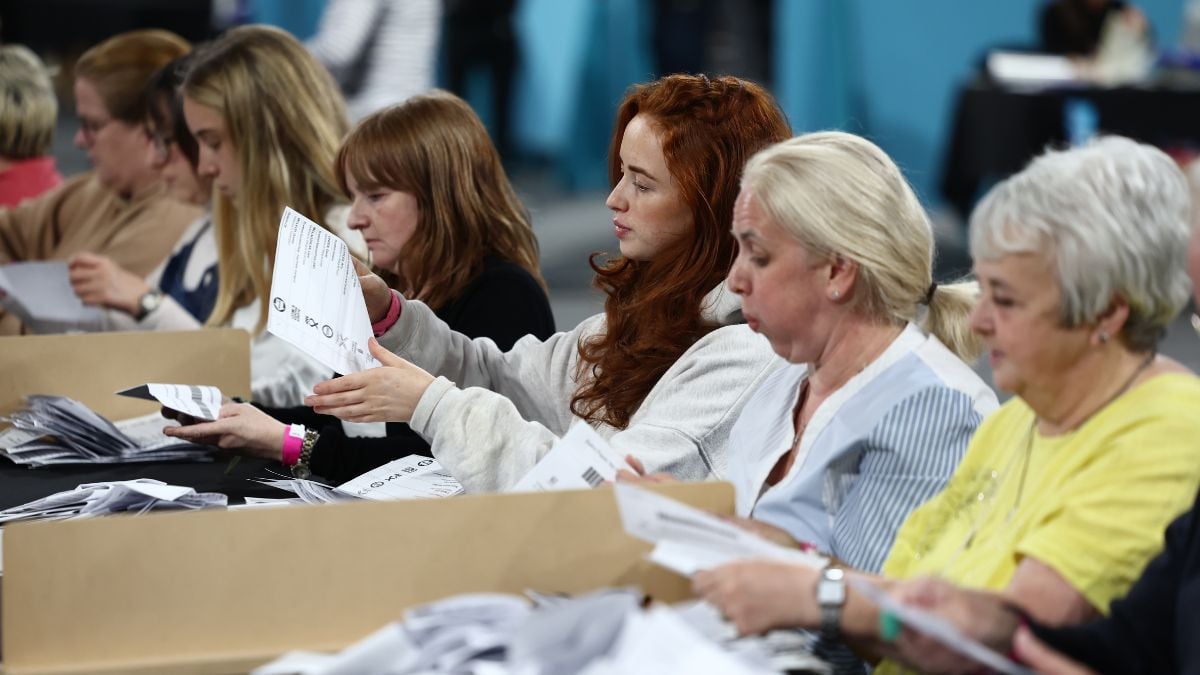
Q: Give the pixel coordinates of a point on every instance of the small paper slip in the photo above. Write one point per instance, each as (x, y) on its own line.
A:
(40, 294)
(200, 401)
(411, 477)
(316, 301)
(581, 459)
(689, 540)
(937, 628)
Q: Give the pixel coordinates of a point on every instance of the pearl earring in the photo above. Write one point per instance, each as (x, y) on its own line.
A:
(1103, 336)
(836, 294)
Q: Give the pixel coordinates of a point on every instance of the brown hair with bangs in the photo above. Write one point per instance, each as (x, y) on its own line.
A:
(121, 66)
(708, 128)
(435, 148)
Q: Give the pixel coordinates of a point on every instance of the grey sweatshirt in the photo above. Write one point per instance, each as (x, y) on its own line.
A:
(508, 408)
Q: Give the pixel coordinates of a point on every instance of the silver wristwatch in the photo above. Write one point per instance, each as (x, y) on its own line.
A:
(149, 302)
(831, 596)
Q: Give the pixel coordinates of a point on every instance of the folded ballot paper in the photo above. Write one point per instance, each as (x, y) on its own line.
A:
(411, 477)
(688, 540)
(581, 459)
(61, 430)
(97, 499)
(597, 634)
(316, 302)
(199, 401)
(40, 294)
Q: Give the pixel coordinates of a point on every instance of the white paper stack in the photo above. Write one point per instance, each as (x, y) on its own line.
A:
(95, 499)
(601, 633)
(688, 540)
(411, 477)
(61, 430)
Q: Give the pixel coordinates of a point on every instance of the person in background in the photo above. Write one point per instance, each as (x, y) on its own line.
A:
(28, 113)
(120, 209)
(663, 371)
(1064, 492)
(263, 151)
(187, 281)
(380, 51)
(1075, 27)
(445, 225)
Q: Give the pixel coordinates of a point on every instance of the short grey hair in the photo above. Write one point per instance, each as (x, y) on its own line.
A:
(28, 107)
(1113, 219)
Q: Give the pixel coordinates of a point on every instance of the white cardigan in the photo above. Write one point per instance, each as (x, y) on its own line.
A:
(509, 408)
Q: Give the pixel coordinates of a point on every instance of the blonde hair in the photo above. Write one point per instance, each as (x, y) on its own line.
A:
(284, 116)
(120, 67)
(435, 148)
(840, 195)
(28, 108)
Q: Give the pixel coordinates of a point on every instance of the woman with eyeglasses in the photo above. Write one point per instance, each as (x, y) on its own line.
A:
(120, 209)
(187, 281)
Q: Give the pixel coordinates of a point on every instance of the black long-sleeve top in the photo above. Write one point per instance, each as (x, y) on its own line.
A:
(503, 303)
(1156, 627)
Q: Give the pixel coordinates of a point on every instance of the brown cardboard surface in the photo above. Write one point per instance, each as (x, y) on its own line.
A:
(90, 367)
(220, 591)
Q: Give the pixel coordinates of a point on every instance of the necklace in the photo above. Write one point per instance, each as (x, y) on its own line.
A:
(996, 479)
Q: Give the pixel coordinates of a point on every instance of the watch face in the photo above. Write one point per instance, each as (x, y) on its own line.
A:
(301, 471)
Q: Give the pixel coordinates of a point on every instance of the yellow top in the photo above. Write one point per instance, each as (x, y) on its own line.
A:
(1092, 504)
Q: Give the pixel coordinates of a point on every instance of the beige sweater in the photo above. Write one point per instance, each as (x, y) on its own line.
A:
(82, 215)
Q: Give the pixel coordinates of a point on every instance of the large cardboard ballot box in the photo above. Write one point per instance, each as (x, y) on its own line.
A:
(224, 591)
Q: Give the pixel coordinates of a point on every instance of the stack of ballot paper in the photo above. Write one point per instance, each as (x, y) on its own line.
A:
(96, 499)
(600, 633)
(61, 430)
(411, 477)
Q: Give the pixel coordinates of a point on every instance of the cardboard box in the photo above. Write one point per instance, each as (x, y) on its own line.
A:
(224, 591)
(89, 367)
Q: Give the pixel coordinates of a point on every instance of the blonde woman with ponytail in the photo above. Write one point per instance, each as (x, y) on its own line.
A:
(268, 120)
(877, 403)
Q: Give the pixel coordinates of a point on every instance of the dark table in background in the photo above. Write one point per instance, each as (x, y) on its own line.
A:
(19, 484)
(997, 130)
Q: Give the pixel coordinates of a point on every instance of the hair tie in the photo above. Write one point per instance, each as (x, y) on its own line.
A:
(929, 293)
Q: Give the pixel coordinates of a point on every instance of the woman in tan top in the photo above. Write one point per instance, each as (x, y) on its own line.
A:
(119, 209)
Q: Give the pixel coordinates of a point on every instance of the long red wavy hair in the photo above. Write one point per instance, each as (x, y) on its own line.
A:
(708, 128)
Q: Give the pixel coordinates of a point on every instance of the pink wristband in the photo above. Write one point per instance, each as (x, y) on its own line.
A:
(293, 440)
(389, 319)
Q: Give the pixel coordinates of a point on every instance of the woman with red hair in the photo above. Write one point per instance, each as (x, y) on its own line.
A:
(662, 373)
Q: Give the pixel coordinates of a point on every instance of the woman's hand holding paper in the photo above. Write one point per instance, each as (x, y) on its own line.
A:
(389, 393)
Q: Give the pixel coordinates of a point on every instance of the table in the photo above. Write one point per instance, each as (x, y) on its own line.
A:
(19, 484)
(997, 130)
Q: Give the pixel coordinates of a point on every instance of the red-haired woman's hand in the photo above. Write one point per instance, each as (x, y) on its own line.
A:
(389, 393)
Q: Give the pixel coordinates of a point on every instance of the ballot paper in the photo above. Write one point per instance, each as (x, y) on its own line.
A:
(581, 459)
(309, 491)
(411, 477)
(40, 294)
(603, 632)
(937, 628)
(688, 540)
(197, 400)
(61, 430)
(96, 499)
(316, 301)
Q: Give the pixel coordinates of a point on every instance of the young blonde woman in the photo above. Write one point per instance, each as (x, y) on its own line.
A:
(443, 222)
(267, 119)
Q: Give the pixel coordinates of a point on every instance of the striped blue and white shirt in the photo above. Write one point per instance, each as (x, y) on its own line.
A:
(877, 448)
